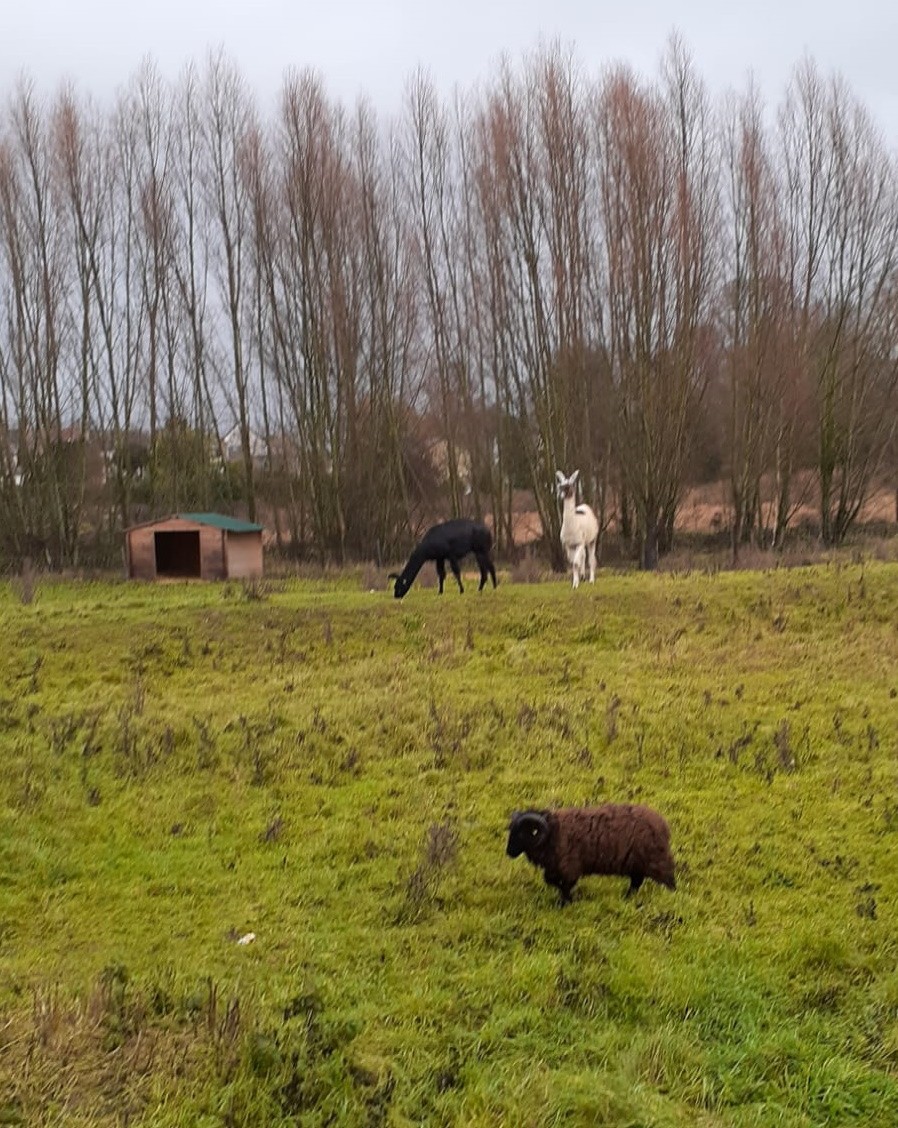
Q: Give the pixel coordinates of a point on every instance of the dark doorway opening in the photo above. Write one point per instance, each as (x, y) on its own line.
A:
(177, 554)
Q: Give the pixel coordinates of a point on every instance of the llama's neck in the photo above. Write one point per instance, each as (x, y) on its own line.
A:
(569, 512)
(416, 562)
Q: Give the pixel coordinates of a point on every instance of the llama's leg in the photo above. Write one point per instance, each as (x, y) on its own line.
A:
(441, 571)
(576, 564)
(592, 562)
(486, 570)
(456, 571)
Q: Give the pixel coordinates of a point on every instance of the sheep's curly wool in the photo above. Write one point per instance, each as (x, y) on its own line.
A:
(615, 839)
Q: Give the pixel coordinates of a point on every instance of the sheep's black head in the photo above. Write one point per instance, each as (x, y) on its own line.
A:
(402, 584)
(528, 832)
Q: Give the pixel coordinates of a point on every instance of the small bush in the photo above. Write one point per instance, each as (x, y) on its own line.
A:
(422, 887)
(253, 589)
(527, 569)
(25, 585)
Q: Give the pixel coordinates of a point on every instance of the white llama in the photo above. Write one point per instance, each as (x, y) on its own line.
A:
(579, 529)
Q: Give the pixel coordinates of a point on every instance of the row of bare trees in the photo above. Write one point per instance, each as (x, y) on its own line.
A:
(394, 321)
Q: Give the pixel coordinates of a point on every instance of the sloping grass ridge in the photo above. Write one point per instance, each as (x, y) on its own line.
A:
(332, 772)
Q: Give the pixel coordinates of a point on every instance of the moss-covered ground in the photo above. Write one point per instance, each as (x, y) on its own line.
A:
(333, 772)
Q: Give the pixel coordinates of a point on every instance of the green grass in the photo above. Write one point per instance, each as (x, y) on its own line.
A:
(332, 770)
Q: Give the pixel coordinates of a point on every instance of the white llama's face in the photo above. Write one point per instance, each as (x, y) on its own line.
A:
(566, 486)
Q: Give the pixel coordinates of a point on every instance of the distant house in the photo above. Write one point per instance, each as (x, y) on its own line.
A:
(10, 467)
(232, 447)
(439, 457)
(207, 546)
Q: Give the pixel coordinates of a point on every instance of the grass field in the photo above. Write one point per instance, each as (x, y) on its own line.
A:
(333, 771)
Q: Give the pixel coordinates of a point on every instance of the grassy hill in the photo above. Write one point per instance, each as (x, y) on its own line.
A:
(333, 772)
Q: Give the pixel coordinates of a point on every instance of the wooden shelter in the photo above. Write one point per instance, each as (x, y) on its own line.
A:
(207, 546)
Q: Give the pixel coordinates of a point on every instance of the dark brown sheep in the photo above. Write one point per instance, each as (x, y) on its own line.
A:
(614, 839)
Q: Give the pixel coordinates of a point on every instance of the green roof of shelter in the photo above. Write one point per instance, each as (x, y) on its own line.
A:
(220, 521)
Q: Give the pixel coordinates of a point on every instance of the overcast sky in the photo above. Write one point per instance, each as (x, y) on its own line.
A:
(373, 46)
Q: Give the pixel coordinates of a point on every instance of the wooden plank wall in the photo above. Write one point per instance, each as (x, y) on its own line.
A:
(244, 555)
(212, 551)
(141, 554)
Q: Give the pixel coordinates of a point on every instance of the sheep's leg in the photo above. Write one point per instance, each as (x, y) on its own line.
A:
(456, 571)
(564, 887)
(441, 572)
(636, 879)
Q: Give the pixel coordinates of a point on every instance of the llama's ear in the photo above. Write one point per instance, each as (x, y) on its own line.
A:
(575, 476)
(561, 478)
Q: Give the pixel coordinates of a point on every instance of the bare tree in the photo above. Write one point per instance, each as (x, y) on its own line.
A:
(758, 370)
(45, 470)
(388, 344)
(844, 236)
(658, 202)
(534, 184)
(229, 123)
(434, 184)
(191, 255)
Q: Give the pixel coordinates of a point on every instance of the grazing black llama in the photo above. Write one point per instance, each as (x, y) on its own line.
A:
(451, 541)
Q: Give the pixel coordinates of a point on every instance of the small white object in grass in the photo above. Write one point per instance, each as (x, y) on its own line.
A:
(247, 939)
